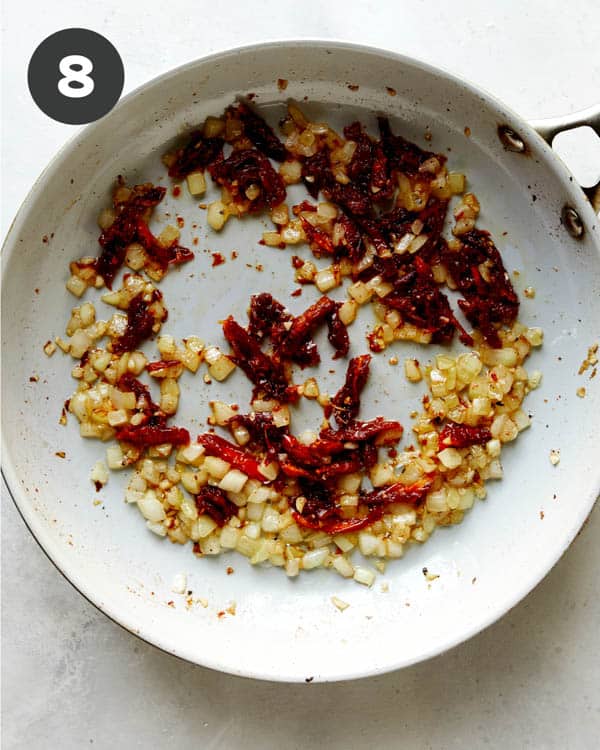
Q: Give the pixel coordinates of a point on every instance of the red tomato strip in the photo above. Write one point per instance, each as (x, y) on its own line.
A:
(214, 445)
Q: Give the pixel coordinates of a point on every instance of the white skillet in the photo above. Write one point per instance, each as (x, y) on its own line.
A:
(288, 629)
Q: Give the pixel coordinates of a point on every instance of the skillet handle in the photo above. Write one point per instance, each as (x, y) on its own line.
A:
(550, 127)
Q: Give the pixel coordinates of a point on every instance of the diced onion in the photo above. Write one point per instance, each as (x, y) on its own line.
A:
(364, 576)
(221, 412)
(76, 286)
(271, 239)
(233, 481)
(343, 566)
(535, 336)
(222, 368)
(293, 234)
(327, 279)
(205, 526)
(382, 474)
(412, 370)
(360, 292)
(156, 528)
(216, 467)
(436, 501)
(191, 454)
(456, 183)
(151, 507)
(217, 215)
(254, 511)
(450, 458)
(229, 537)
(99, 473)
(314, 558)
(367, 543)
(196, 183)
(115, 458)
(179, 584)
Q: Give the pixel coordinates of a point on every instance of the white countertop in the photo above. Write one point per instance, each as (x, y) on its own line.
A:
(73, 679)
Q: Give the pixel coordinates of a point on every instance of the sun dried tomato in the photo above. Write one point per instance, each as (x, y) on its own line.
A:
(324, 516)
(336, 525)
(307, 355)
(157, 252)
(261, 134)
(249, 168)
(373, 230)
(291, 339)
(403, 155)
(214, 445)
(329, 456)
(267, 374)
(196, 155)
(213, 502)
(153, 430)
(369, 455)
(303, 326)
(128, 382)
(130, 226)
(161, 364)
(141, 197)
(489, 297)
(123, 231)
(151, 434)
(399, 493)
(179, 254)
(305, 206)
(346, 401)
(352, 199)
(264, 434)
(433, 215)
(268, 318)
(368, 168)
(313, 454)
(360, 166)
(264, 314)
(337, 333)
(317, 239)
(139, 324)
(349, 464)
(462, 436)
(396, 223)
(351, 241)
(316, 171)
(381, 430)
(382, 184)
(319, 499)
(420, 301)
(294, 471)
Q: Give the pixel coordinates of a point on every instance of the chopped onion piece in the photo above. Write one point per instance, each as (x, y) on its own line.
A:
(339, 603)
(151, 507)
(314, 558)
(233, 481)
(364, 576)
(179, 584)
(196, 183)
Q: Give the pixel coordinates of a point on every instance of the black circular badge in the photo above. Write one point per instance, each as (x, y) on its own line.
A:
(75, 76)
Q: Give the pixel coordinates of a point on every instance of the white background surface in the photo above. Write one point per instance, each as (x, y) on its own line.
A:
(72, 679)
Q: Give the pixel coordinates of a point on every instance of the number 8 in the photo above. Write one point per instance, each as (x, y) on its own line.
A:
(79, 76)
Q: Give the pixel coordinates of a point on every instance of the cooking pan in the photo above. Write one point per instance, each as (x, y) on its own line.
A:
(282, 629)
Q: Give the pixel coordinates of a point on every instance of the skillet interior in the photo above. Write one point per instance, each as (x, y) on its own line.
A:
(289, 630)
